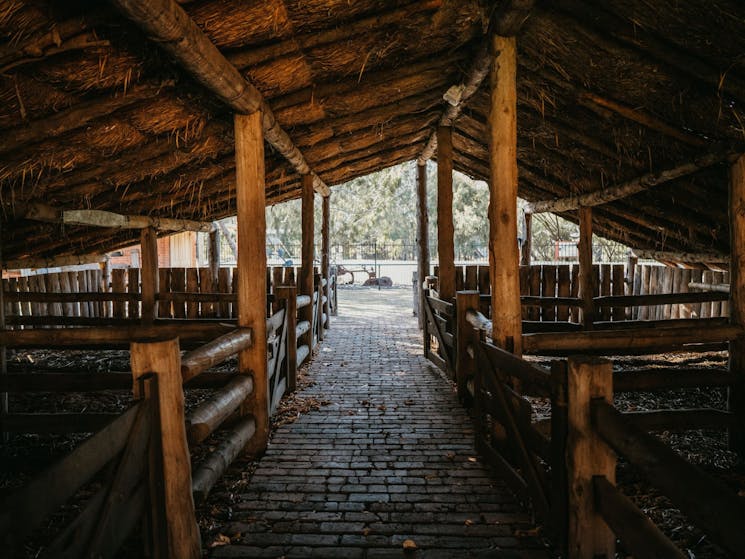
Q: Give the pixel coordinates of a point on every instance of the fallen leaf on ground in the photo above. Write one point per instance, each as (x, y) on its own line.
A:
(409, 545)
(220, 539)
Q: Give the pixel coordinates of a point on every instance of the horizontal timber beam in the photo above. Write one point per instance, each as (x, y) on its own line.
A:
(629, 188)
(55, 262)
(684, 257)
(168, 25)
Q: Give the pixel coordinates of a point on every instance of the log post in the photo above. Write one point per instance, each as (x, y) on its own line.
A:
(587, 456)
(214, 252)
(503, 253)
(325, 258)
(584, 249)
(319, 307)
(305, 284)
(559, 521)
(288, 294)
(445, 242)
(149, 276)
(527, 240)
(736, 393)
(4, 407)
(250, 196)
(172, 479)
(422, 239)
(466, 335)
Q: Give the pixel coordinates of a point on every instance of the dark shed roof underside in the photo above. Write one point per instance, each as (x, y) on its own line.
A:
(607, 91)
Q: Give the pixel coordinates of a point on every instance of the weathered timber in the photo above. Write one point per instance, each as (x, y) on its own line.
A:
(163, 360)
(58, 297)
(631, 339)
(465, 364)
(445, 227)
(588, 379)
(305, 280)
(503, 254)
(167, 24)
(721, 287)
(680, 419)
(586, 278)
(527, 245)
(215, 352)
(684, 257)
(150, 278)
(706, 501)
(534, 380)
(422, 238)
(629, 188)
(52, 262)
(210, 414)
(638, 534)
(251, 260)
(669, 379)
(326, 259)
(214, 466)
(660, 299)
(736, 393)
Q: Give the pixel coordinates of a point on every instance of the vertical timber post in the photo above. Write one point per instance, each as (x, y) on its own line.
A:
(306, 268)
(503, 253)
(214, 252)
(288, 293)
(736, 392)
(4, 404)
(465, 365)
(587, 456)
(586, 281)
(528, 240)
(149, 275)
(445, 242)
(422, 239)
(631, 261)
(173, 477)
(325, 258)
(250, 196)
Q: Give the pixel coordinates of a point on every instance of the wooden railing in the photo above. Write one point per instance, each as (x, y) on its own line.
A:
(565, 464)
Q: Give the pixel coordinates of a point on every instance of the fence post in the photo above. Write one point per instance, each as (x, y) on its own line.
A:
(559, 427)
(288, 293)
(587, 456)
(175, 513)
(426, 340)
(466, 335)
(319, 308)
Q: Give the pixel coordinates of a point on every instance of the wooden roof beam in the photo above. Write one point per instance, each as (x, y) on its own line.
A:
(506, 21)
(629, 188)
(167, 24)
(685, 257)
(111, 220)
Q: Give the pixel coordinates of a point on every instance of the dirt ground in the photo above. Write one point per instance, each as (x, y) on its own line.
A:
(24, 455)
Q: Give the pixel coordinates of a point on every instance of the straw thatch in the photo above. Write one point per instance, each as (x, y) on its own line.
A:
(94, 115)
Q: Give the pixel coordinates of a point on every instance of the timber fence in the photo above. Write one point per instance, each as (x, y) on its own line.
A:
(564, 462)
(160, 370)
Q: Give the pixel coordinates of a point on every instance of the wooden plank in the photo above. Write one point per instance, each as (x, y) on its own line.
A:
(24, 510)
(165, 309)
(707, 501)
(471, 282)
(192, 285)
(605, 289)
(445, 229)
(163, 359)
(736, 393)
(638, 534)
(178, 284)
(563, 289)
(503, 251)
(586, 283)
(150, 278)
(118, 279)
(548, 290)
(224, 285)
(524, 290)
(133, 287)
(587, 456)
(251, 287)
(660, 299)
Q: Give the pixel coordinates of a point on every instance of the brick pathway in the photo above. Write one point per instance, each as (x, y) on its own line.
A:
(390, 458)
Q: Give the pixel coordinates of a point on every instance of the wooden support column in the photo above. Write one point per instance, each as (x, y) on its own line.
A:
(587, 456)
(586, 280)
(306, 267)
(503, 253)
(445, 242)
(149, 276)
(214, 253)
(170, 469)
(422, 239)
(326, 258)
(250, 196)
(528, 240)
(736, 393)
(4, 408)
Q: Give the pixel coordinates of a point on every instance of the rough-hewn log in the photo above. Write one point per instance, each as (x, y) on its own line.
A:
(167, 24)
(736, 393)
(422, 237)
(659, 299)
(638, 534)
(628, 188)
(684, 257)
(214, 466)
(527, 246)
(215, 352)
(503, 254)
(52, 262)
(588, 379)
(99, 218)
(507, 22)
(250, 193)
(720, 287)
(150, 278)
(707, 501)
(325, 259)
(173, 476)
(207, 416)
(586, 277)
(445, 228)
(305, 282)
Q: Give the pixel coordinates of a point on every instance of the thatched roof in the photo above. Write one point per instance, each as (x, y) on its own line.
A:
(94, 115)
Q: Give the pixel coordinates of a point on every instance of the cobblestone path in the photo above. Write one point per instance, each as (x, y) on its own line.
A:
(390, 458)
